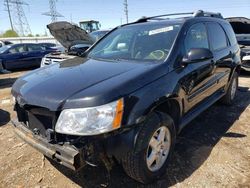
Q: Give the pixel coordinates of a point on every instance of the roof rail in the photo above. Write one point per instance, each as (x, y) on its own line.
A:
(199, 13)
(143, 19)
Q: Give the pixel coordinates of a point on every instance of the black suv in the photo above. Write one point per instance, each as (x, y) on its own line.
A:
(130, 94)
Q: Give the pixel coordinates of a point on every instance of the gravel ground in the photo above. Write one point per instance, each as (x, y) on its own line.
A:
(212, 151)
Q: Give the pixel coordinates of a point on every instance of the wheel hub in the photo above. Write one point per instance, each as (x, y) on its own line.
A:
(158, 148)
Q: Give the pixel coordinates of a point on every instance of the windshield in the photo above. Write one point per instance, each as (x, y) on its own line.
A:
(141, 42)
(4, 48)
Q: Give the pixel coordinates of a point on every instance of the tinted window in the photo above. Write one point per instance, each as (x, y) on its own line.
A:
(34, 47)
(196, 37)
(17, 49)
(230, 34)
(217, 36)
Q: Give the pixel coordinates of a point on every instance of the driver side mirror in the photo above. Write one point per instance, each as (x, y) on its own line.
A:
(197, 55)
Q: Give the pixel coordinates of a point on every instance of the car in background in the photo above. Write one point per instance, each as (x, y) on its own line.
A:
(241, 27)
(73, 38)
(19, 56)
(96, 35)
(4, 42)
(47, 44)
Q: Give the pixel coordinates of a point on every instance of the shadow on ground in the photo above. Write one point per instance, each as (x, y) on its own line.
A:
(4, 117)
(193, 147)
(244, 74)
(7, 82)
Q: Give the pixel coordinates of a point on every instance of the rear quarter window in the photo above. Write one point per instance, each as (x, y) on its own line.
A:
(217, 36)
(230, 33)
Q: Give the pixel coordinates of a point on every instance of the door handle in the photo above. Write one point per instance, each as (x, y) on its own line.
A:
(25, 53)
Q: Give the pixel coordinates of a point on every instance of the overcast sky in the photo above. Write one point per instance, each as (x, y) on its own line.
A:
(110, 13)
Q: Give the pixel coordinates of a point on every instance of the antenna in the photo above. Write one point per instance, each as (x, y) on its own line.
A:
(53, 12)
(21, 21)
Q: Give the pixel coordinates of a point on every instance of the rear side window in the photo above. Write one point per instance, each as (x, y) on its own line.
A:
(230, 34)
(217, 36)
(34, 47)
(196, 37)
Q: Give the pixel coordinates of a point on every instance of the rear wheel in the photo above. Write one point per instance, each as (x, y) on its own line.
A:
(232, 90)
(154, 145)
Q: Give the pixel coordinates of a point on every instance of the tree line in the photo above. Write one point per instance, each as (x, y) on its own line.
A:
(11, 33)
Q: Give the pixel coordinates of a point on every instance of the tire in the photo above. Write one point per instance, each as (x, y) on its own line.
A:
(229, 97)
(135, 163)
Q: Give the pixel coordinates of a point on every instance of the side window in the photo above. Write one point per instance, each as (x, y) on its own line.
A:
(217, 36)
(17, 49)
(230, 34)
(34, 47)
(196, 37)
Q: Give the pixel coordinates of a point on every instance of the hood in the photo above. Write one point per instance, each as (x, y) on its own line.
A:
(241, 25)
(80, 82)
(68, 34)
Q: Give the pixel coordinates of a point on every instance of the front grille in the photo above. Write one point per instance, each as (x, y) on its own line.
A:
(48, 61)
(40, 121)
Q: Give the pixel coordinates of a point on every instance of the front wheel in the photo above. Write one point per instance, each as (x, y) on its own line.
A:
(154, 145)
(232, 90)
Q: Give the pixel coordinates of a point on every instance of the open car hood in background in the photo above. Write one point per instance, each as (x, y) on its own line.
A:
(241, 25)
(68, 34)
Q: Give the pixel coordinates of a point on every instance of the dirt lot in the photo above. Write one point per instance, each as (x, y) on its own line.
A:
(212, 151)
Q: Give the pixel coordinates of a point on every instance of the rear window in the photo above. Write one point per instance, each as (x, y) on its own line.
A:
(34, 47)
(217, 36)
(230, 34)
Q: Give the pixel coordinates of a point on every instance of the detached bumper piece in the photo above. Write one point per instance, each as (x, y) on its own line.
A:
(64, 154)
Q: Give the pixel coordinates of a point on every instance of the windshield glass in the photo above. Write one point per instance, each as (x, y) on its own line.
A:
(141, 42)
(4, 48)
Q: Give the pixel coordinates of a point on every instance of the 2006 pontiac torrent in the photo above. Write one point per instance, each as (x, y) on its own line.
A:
(127, 98)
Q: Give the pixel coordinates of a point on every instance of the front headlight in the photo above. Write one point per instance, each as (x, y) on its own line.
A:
(90, 121)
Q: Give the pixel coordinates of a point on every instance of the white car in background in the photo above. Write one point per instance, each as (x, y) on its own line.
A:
(4, 43)
(241, 27)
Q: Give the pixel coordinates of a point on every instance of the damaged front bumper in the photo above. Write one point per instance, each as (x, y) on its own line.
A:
(66, 155)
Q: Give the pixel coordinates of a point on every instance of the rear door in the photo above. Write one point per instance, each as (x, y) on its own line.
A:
(35, 53)
(223, 56)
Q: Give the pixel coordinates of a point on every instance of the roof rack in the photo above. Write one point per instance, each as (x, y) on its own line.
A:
(199, 13)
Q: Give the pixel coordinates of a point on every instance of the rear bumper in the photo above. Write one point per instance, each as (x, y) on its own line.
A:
(66, 155)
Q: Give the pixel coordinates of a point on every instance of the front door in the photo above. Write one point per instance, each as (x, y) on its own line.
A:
(200, 78)
(14, 58)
